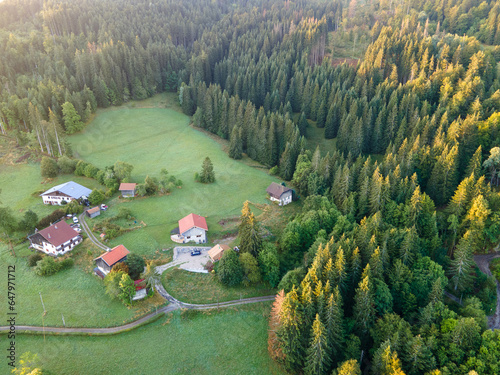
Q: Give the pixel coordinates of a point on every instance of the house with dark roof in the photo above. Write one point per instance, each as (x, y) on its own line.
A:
(279, 193)
(107, 260)
(57, 239)
(65, 192)
(191, 228)
(127, 189)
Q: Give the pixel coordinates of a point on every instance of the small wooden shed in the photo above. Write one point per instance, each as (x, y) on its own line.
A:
(93, 212)
(127, 189)
(216, 252)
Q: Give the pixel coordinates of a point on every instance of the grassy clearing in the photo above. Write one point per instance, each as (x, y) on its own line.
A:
(194, 287)
(351, 45)
(228, 341)
(316, 136)
(154, 138)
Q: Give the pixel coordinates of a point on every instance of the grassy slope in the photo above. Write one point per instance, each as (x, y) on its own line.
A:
(205, 288)
(231, 341)
(156, 138)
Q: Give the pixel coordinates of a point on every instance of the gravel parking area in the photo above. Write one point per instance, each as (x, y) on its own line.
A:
(182, 255)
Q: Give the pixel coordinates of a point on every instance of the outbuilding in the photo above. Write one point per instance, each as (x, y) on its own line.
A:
(93, 212)
(216, 252)
(127, 189)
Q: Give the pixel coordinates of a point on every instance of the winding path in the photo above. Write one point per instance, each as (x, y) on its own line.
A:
(173, 305)
(89, 233)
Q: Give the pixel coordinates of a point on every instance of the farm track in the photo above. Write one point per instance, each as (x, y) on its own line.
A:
(174, 304)
(89, 233)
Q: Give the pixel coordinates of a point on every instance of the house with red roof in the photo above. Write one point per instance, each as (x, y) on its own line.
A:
(55, 240)
(191, 228)
(107, 260)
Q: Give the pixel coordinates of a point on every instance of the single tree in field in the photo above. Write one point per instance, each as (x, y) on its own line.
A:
(318, 360)
(207, 175)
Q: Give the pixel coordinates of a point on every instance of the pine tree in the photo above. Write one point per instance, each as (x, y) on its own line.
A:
(207, 175)
(364, 313)
(461, 265)
(71, 118)
(318, 361)
(249, 232)
(335, 333)
(235, 145)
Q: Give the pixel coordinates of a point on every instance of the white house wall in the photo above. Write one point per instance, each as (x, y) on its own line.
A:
(195, 234)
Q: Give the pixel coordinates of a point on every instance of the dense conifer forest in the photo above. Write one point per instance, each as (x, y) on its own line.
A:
(392, 215)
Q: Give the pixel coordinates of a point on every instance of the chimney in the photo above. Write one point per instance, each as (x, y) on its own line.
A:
(55, 226)
(48, 235)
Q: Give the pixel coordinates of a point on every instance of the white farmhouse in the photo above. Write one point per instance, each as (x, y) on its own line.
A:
(191, 228)
(279, 193)
(57, 239)
(65, 192)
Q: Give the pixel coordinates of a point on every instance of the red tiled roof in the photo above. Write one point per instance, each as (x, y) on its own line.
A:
(114, 255)
(127, 186)
(190, 221)
(58, 233)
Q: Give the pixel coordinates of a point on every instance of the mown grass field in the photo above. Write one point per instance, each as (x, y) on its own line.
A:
(228, 341)
(193, 287)
(154, 138)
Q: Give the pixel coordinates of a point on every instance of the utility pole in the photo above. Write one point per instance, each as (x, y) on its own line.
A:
(44, 311)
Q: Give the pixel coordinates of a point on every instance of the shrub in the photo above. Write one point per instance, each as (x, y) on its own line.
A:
(96, 197)
(66, 165)
(124, 213)
(33, 259)
(120, 267)
(73, 208)
(274, 170)
(51, 218)
(29, 221)
(49, 167)
(80, 168)
(66, 263)
(47, 266)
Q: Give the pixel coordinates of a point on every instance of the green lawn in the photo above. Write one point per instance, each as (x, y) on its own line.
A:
(155, 138)
(194, 287)
(316, 136)
(228, 341)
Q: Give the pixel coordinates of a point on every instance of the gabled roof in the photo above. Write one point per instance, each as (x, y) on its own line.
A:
(71, 189)
(216, 251)
(94, 210)
(127, 186)
(114, 255)
(58, 233)
(191, 221)
(276, 190)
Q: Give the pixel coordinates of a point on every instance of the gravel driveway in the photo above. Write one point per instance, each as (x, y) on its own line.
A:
(182, 255)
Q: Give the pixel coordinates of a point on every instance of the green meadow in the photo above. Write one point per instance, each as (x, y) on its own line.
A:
(154, 138)
(228, 341)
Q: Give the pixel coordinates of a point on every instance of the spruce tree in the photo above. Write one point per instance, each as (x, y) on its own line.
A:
(318, 360)
(235, 145)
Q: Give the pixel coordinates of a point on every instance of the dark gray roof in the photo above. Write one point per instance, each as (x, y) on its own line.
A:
(276, 190)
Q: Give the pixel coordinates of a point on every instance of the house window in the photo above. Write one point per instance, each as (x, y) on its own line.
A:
(198, 235)
(188, 237)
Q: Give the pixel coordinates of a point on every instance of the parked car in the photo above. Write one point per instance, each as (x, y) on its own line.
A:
(104, 207)
(77, 229)
(195, 252)
(75, 219)
(75, 225)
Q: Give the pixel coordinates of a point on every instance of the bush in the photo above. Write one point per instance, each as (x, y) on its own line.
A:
(51, 218)
(49, 167)
(66, 165)
(274, 171)
(73, 208)
(66, 263)
(120, 267)
(33, 259)
(96, 197)
(124, 213)
(29, 221)
(47, 266)
(80, 168)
